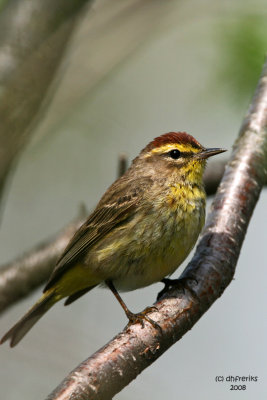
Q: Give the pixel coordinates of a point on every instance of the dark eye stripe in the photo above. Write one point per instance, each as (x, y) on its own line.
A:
(175, 154)
(187, 154)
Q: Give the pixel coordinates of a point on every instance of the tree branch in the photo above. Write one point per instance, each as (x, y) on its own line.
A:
(26, 63)
(213, 176)
(115, 365)
(21, 276)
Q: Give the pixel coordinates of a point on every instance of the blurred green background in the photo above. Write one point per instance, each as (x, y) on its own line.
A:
(132, 71)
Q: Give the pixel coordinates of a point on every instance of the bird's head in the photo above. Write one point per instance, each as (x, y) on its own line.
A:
(177, 154)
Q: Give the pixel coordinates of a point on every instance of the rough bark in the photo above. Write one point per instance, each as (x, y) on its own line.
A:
(116, 364)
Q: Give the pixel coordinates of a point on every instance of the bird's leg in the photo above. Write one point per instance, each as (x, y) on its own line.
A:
(134, 318)
(181, 283)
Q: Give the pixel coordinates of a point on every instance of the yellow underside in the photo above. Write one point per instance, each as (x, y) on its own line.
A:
(145, 250)
(76, 278)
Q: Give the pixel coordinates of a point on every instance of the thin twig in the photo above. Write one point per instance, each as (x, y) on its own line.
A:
(213, 176)
(115, 365)
(122, 164)
(21, 276)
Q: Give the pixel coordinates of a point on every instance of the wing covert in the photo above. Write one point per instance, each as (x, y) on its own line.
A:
(113, 211)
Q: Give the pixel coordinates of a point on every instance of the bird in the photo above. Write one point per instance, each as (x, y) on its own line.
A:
(142, 229)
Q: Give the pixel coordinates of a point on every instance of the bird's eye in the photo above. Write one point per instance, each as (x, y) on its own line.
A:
(174, 154)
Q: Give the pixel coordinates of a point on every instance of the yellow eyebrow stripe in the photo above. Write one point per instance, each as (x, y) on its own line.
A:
(170, 146)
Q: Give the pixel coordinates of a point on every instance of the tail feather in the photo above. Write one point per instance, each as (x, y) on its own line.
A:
(77, 295)
(19, 330)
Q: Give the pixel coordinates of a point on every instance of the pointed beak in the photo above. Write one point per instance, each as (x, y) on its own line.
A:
(206, 153)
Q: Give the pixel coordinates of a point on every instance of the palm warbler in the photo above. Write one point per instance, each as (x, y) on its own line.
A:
(140, 232)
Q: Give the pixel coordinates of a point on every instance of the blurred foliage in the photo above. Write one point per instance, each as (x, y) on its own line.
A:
(2, 3)
(243, 47)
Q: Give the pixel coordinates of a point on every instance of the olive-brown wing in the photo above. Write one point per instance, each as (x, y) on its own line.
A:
(120, 207)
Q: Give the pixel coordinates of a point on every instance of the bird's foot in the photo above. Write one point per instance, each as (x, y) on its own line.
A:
(181, 283)
(142, 316)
